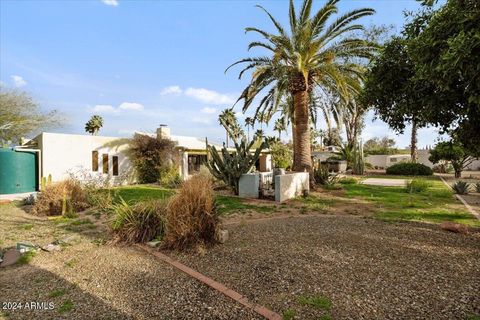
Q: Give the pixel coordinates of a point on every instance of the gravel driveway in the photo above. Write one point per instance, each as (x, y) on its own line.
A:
(369, 269)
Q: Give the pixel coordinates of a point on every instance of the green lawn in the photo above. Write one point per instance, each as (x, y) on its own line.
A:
(141, 193)
(227, 205)
(394, 203)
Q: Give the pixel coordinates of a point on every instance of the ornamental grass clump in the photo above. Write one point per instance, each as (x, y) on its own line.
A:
(192, 215)
(138, 223)
(418, 186)
(58, 198)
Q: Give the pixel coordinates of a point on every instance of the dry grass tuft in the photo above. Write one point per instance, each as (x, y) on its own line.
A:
(66, 195)
(192, 217)
(141, 222)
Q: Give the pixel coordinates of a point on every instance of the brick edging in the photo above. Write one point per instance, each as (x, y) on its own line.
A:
(261, 310)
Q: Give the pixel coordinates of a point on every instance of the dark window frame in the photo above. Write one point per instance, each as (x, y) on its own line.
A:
(105, 168)
(95, 161)
(115, 165)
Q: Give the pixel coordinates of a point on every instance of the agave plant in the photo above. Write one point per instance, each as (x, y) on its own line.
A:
(311, 55)
(461, 187)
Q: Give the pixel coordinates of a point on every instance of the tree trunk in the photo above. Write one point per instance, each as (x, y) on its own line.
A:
(413, 143)
(302, 150)
(458, 174)
(294, 140)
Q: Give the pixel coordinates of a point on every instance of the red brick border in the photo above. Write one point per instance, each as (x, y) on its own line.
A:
(261, 310)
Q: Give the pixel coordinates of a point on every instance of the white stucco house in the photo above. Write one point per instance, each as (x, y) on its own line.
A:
(107, 158)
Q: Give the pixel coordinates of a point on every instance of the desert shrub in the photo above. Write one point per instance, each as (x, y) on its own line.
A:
(282, 155)
(368, 165)
(417, 186)
(140, 222)
(192, 215)
(409, 169)
(101, 199)
(477, 187)
(461, 187)
(152, 156)
(323, 176)
(442, 168)
(348, 181)
(169, 177)
(59, 197)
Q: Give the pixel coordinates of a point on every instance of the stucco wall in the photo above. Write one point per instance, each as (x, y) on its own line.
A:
(291, 185)
(63, 154)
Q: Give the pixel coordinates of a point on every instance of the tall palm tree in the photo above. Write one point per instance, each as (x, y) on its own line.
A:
(227, 120)
(311, 55)
(279, 126)
(249, 122)
(94, 124)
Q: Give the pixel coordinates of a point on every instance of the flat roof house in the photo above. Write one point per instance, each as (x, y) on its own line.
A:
(88, 157)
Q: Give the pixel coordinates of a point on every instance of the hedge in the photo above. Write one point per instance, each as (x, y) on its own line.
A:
(409, 169)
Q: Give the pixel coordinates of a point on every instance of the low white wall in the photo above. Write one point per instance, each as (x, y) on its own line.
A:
(248, 185)
(66, 154)
(291, 185)
(377, 160)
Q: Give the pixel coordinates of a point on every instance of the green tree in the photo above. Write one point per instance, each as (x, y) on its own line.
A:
(20, 116)
(228, 120)
(94, 125)
(453, 152)
(249, 123)
(312, 54)
(377, 145)
(446, 55)
(279, 126)
(393, 91)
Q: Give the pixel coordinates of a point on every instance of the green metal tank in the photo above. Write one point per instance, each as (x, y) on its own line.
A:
(18, 171)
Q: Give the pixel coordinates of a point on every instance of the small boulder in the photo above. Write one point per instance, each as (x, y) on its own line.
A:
(221, 236)
(10, 257)
(51, 247)
(154, 243)
(454, 227)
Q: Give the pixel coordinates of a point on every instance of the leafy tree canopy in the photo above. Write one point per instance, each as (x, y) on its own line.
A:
(453, 152)
(21, 116)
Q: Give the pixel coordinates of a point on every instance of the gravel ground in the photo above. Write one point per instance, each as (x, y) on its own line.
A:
(369, 269)
(90, 281)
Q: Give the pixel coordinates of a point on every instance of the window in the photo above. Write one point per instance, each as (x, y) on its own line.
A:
(105, 163)
(115, 165)
(94, 160)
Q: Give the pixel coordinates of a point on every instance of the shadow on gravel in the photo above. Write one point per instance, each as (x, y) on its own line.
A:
(29, 288)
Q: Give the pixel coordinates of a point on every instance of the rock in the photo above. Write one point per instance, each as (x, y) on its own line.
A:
(51, 247)
(222, 236)
(26, 246)
(454, 227)
(10, 257)
(154, 243)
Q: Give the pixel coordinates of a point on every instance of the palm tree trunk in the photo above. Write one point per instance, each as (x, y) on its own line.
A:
(302, 151)
(413, 143)
(227, 138)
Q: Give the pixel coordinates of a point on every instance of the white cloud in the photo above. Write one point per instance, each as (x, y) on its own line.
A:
(209, 110)
(103, 108)
(18, 81)
(112, 3)
(209, 96)
(131, 106)
(171, 90)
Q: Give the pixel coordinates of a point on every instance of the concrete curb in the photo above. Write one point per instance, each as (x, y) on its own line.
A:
(459, 197)
(268, 314)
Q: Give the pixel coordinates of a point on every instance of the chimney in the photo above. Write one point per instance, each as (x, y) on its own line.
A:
(163, 132)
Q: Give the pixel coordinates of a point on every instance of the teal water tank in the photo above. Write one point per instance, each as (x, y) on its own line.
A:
(18, 171)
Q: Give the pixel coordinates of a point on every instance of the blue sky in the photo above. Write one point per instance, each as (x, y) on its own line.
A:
(144, 63)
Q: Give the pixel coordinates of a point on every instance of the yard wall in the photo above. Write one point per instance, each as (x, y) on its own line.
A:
(291, 185)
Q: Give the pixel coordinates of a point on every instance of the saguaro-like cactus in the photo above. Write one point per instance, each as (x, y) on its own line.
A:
(229, 165)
